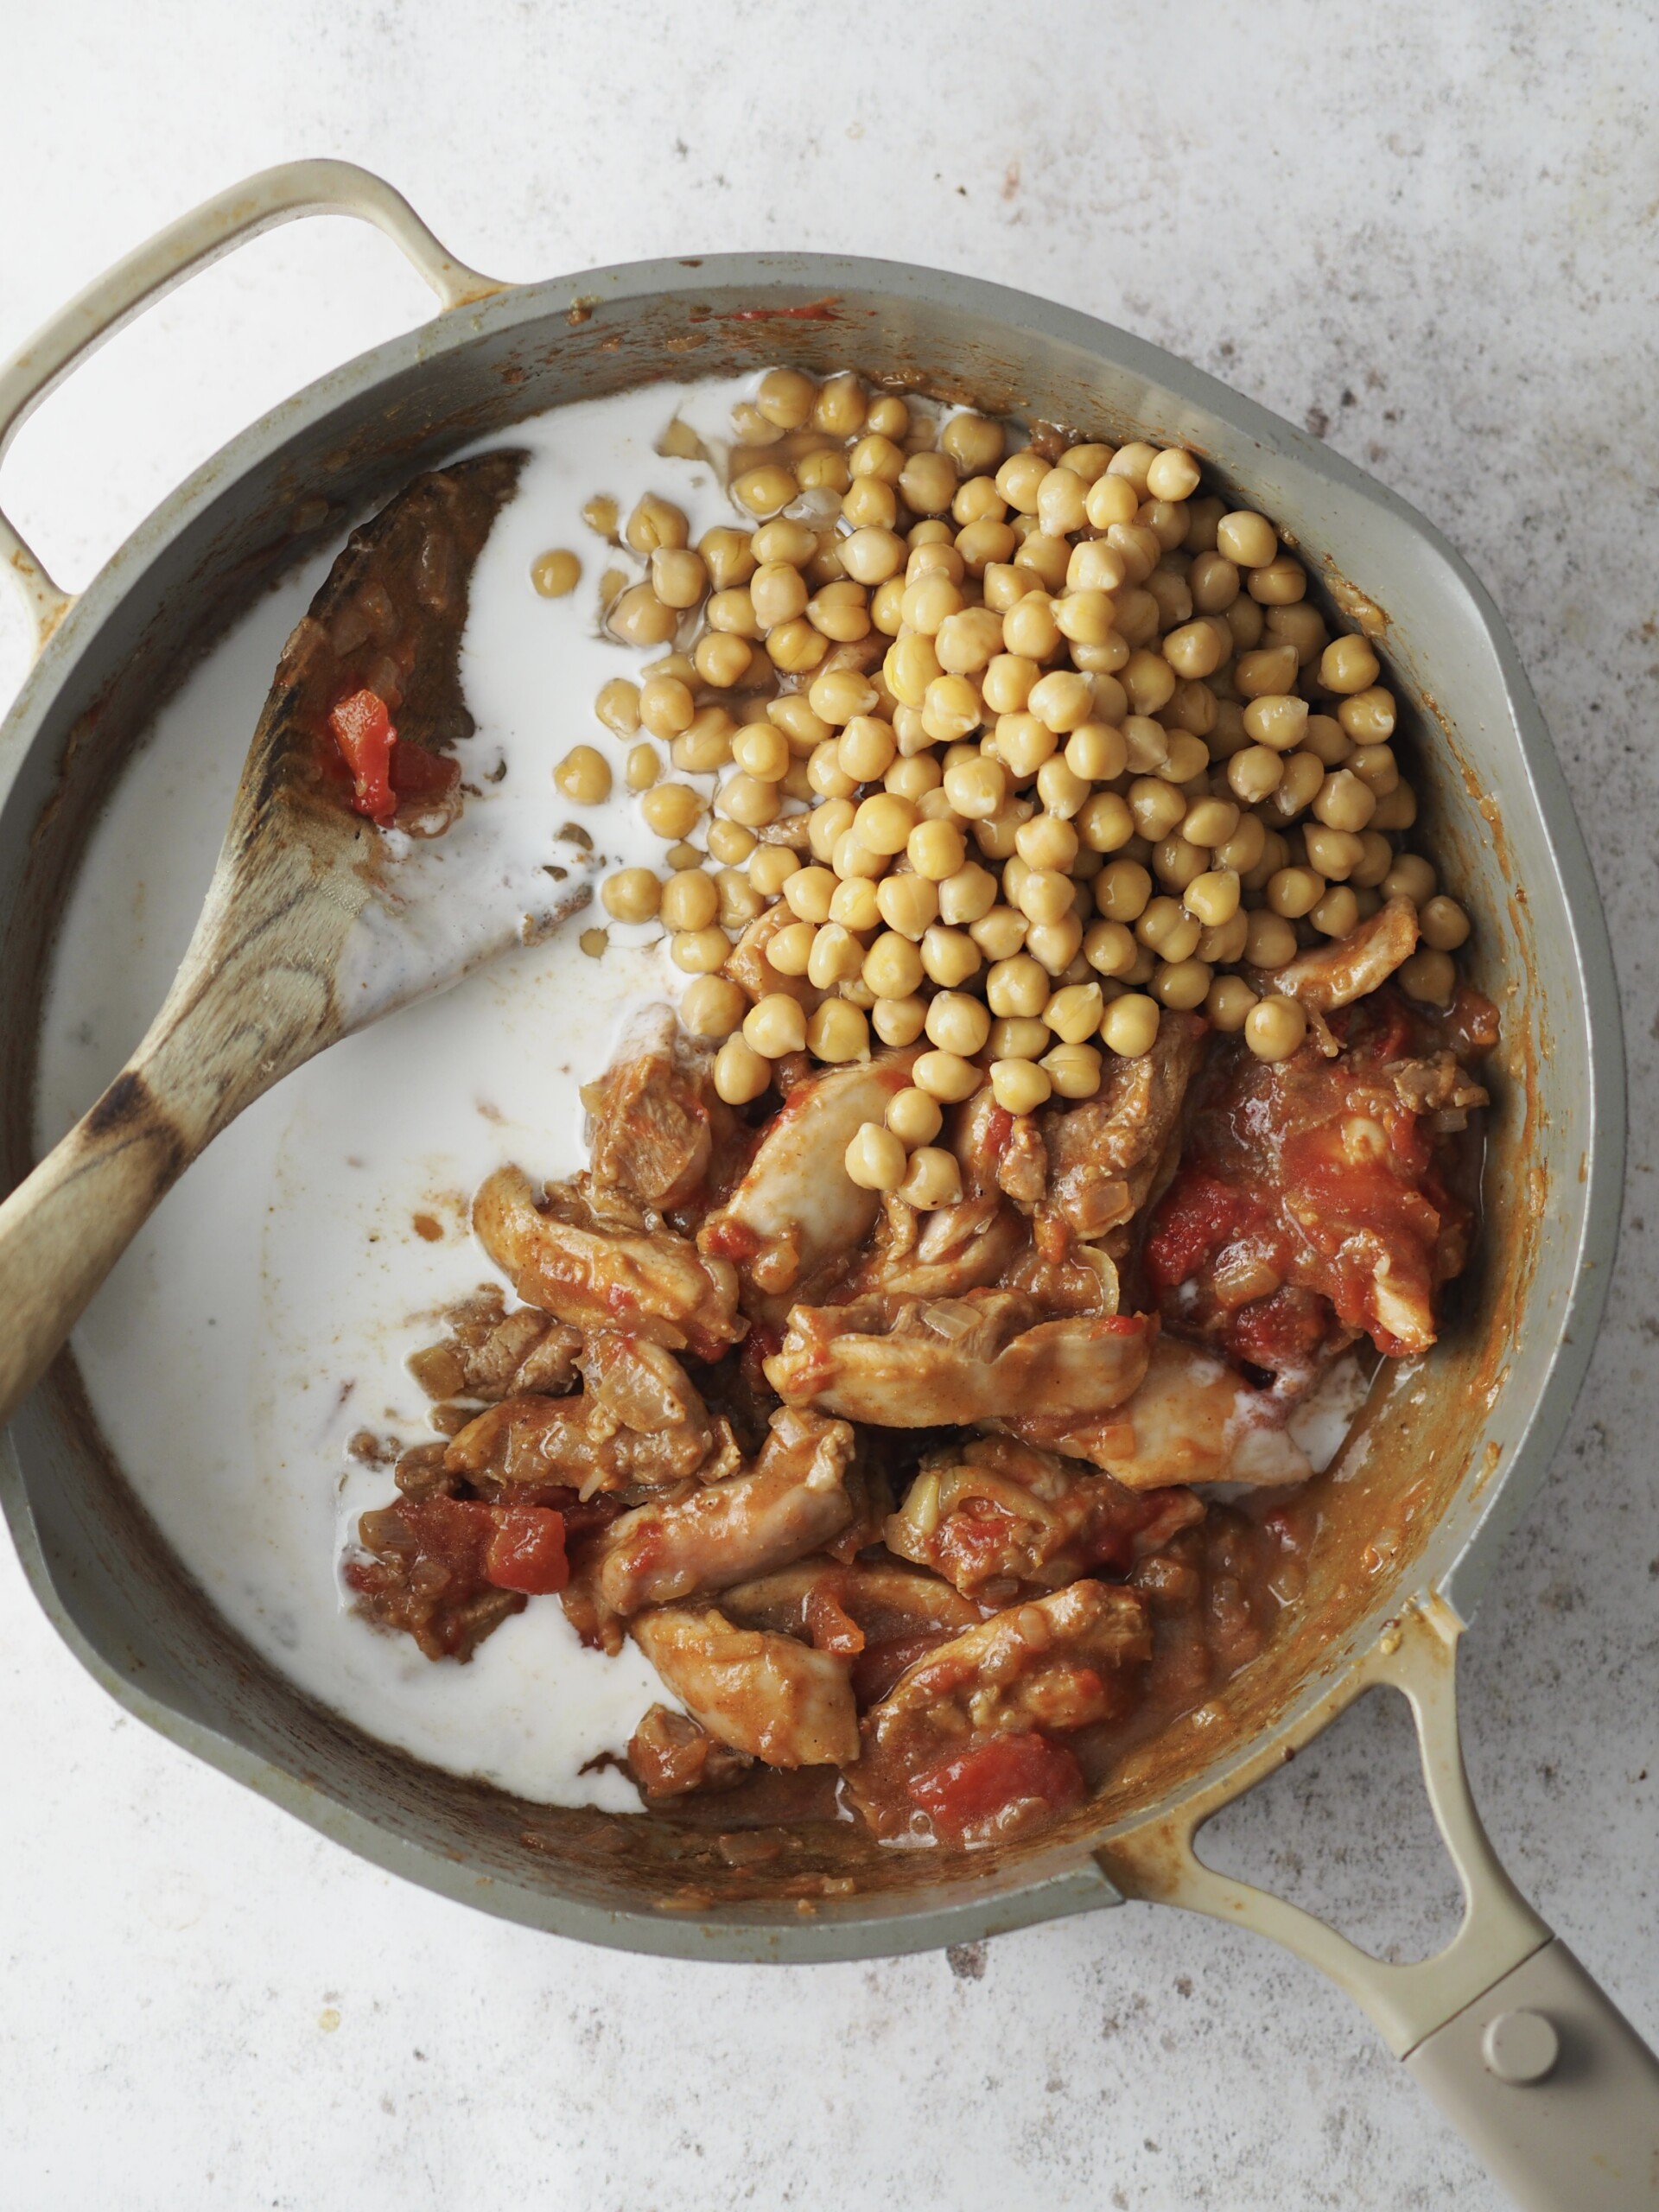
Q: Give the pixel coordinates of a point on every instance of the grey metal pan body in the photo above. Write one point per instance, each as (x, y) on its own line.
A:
(1499, 1399)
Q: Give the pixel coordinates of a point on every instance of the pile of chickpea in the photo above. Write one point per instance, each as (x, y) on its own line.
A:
(1067, 744)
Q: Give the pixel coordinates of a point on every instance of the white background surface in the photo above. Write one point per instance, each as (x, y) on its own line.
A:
(1429, 232)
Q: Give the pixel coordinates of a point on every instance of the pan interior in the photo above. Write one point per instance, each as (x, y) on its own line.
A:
(1439, 1439)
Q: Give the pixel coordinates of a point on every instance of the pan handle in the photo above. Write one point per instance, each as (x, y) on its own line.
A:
(110, 302)
(1524, 2053)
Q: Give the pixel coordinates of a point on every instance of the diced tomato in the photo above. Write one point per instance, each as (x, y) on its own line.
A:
(974, 1787)
(526, 1551)
(362, 729)
(1196, 1218)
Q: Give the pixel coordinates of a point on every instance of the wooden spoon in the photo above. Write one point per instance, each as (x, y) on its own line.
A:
(275, 972)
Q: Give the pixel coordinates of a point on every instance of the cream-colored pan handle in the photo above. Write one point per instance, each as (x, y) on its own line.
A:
(273, 196)
(1528, 2058)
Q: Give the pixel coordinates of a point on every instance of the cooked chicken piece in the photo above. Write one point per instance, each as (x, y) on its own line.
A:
(1336, 975)
(798, 1210)
(491, 1354)
(580, 1443)
(1193, 1419)
(1440, 1086)
(938, 1742)
(1104, 1153)
(844, 1607)
(670, 1754)
(777, 1699)
(795, 1499)
(994, 1516)
(939, 1254)
(634, 1384)
(655, 1283)
(907, 1365)
(657, 1119)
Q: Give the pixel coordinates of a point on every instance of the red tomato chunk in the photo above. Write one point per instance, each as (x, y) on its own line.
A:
(972, 1789)
(362, 729)
(526, 1552)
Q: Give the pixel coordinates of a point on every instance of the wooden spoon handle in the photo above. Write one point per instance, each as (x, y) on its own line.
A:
(64, 1228)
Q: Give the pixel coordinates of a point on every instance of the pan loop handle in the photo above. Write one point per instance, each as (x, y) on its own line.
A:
(1522, 2051)
(110, 302)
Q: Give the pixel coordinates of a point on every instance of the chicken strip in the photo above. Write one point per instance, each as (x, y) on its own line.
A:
(1193, 1419)
(657, 1123)
(1104, 1154)
(578, 1444)
(989, 1355)
(777, 1699)
(491, 1354)
(964, 1738)
(798, 1210)
(796, 1499)
(654, 1282)
(1332, 975)
(994, 1516)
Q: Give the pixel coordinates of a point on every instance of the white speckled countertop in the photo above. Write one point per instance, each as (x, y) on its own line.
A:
(1428, 232)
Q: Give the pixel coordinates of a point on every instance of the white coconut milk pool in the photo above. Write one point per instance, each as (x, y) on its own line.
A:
(265, 1314)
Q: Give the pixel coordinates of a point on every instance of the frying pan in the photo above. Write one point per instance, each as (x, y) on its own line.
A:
(1502, 2027)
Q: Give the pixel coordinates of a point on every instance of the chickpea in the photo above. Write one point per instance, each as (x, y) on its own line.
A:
(1213, 897)
(1349, 665)
(951, 707)
(1277, 582)
(1247, 539)
(1017, 985)
(1019, 1086)
(840, 406)
(762, 751)
(700, 951)
(1046, 842)
(689, 901)
(1275, 1026)
(1300, 785)
(975, 788)
(1074, 1012)
(639, 618)
(1395, 809)
(1376, 858)
(841, 696)
(875, 1160)
(883, 823)
(741, 1072)
(841, 611)
(856, 904)
(1168, 930)
(775, 1025)
(892, 967)
(584, 775)
(949, 957)
(748, 800)
(933, 1179)
(1109, 948)
(1129, 1025)
(1244, 847)
(958, 1023)
(1443, 925)
(671, 810)
(875, 455)
(791, 948)
(1181, 984)
(913, 1117)
(1210, 822)
(1272, 941)
(836, 1032)
(678, 576)
(929, 482)
(632, 894)
(936, 851)
(655, 522)
(1256, 773)
(1227, 1004)
(1343, 802)
(1030, 631)
(1376, 767)
(808, 891)
(1121, 890)
(1220, 945)
(1337, 912)
(870, 503)
(972, 442)
(1267, 672)
(898, 1022)
(763, 490)
(1176, 863)
(1187, 759)
(1055, 945)
(1429, 976)
(1335, 853)
(1110, 499)
(1073, 1071)
(712, 1005)
(1293, 891)
(1157, 807)
(778, 594)
(555, 575)
(785, 397)
(1245, 623)
(1275, 719)
(967, 895)
(946, 1076)
(909, 904)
